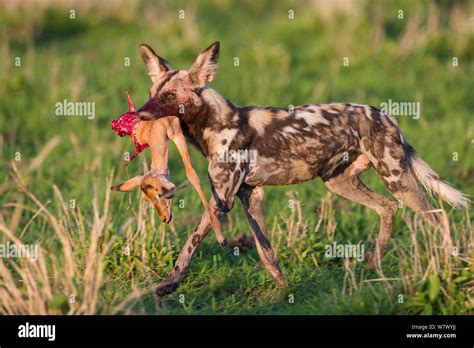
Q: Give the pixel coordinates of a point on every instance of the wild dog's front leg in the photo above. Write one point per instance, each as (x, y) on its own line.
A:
(184, 258)
(225, 178)
(225, 181)
(252, 200)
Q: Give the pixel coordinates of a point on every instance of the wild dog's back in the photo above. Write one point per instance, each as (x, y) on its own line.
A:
(313, 140)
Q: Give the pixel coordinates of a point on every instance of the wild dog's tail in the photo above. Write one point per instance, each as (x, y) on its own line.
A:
(432, 182)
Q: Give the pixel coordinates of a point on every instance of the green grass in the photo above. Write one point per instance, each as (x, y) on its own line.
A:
(282, 62)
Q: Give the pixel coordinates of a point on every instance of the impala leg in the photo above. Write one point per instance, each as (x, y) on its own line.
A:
(180, 141)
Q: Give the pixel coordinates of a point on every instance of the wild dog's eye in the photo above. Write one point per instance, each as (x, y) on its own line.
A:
(168, 97)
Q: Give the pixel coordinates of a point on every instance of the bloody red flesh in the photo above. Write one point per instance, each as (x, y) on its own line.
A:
(126, 124)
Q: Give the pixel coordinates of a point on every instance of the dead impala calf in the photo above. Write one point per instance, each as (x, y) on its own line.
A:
(336, 142)
(155, 185)
(156, 189)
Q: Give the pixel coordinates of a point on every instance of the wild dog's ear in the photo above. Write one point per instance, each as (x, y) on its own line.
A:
(155, 65)
(128, 185)
(205, 66)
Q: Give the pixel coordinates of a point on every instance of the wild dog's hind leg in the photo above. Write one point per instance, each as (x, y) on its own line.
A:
(252, 200)
(347, 184)
(408, 190)
(388, 154)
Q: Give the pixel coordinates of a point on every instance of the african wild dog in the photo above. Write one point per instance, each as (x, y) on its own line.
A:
(336, 142)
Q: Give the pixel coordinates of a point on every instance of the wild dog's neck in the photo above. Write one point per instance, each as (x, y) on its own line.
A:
(215, 113)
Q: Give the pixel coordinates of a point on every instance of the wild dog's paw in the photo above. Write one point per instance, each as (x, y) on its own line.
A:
(166, 287)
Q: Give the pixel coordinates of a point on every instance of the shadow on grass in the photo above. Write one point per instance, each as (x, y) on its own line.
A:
(239, 285)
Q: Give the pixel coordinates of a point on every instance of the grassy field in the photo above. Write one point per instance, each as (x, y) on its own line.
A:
(97, 256)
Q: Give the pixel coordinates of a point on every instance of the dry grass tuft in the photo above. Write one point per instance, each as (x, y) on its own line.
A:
(65, 282)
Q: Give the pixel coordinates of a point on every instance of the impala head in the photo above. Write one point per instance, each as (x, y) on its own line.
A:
(156, 189)
(176, 92)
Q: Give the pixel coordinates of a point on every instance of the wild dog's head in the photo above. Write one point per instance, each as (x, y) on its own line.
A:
(156, 189)
(176, 92)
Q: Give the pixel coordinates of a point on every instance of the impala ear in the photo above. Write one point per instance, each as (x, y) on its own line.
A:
(155, 65)
(168, 190)
(204, 68)
(128, 185)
